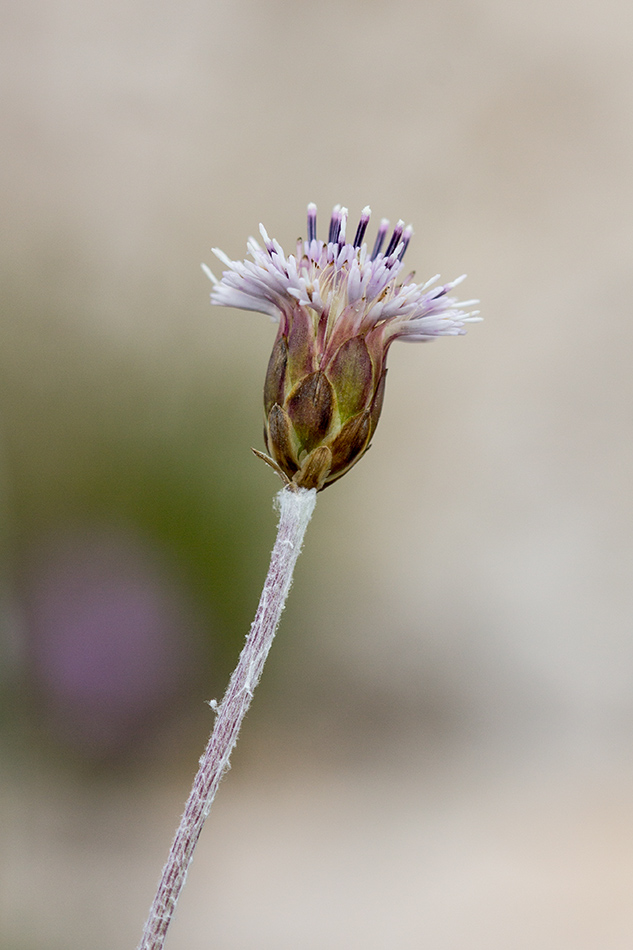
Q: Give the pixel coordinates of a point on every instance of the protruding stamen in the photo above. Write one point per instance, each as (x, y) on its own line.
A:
(222, 257)
(335, 224)
(430, 282)
(406, 237)
(380, 237)
(270, 244)
(343, 228)
(312, 213)
(395, 238)
(362, 226)
(210, 274)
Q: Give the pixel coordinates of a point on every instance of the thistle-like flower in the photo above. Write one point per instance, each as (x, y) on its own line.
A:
(339, 309)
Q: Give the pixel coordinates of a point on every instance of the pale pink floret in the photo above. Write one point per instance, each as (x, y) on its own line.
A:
(341, 283)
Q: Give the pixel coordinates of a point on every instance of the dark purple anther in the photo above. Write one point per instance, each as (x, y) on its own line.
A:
(395, 238)
(406, 237)
(380, 237)
(362, 227)
(312, 214)
(335, 225)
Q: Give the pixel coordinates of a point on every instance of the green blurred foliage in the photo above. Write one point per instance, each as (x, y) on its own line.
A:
(92, 433)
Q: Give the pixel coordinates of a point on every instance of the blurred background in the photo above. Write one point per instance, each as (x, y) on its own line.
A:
(440, 752)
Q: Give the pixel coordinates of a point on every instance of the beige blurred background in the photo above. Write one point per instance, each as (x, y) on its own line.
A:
(440, 754)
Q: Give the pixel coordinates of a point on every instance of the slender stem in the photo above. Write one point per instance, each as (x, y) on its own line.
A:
(295, 507)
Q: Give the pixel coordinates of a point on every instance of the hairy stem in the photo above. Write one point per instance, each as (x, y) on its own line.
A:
(295, 507)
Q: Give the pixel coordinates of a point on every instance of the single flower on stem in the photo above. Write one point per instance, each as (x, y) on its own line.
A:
(339, 309)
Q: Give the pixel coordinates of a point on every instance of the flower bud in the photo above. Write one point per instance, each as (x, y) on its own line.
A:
(328, 409)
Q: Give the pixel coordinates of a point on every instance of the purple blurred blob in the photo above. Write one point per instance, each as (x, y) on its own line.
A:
(110, 636)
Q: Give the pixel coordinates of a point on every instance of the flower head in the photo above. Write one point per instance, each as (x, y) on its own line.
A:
(339, 309)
